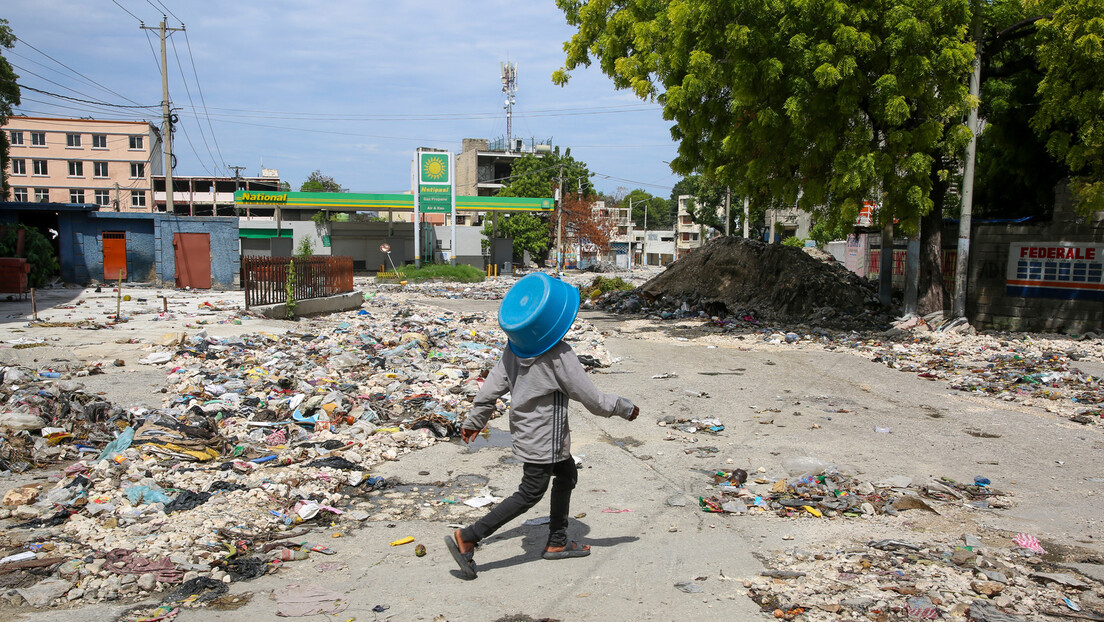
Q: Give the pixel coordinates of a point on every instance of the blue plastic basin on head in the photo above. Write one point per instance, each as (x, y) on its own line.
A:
(536, 313)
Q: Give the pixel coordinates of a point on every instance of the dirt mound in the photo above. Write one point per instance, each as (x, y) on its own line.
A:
(733, 276)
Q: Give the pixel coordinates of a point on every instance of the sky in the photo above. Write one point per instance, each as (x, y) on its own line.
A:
(349, 88)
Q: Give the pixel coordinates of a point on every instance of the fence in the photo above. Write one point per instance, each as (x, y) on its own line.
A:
(264, 279)
(874, 262)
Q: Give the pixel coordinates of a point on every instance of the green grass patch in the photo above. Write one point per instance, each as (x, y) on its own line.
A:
(440, 272)
(602, 285)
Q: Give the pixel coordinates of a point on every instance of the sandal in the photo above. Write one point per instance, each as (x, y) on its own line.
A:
(572, 549)
(464, 560)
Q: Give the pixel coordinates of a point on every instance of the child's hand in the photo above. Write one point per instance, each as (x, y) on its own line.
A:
(467, 435)
(635, 413)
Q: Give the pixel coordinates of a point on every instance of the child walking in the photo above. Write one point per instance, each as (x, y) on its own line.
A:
(541, 373)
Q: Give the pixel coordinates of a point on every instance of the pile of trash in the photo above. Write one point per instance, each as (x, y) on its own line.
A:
(261, 437)
(967, 579)
(752, 282)
(1027, 369)
(819, 490)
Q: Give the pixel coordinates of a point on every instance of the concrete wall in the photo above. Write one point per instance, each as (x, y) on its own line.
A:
(82, 257)
(361, 241)
(469, 245)
(989, 306)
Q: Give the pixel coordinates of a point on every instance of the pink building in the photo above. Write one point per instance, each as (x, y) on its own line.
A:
(109, 163)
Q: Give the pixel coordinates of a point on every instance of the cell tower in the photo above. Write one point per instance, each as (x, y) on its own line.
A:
(509, 88)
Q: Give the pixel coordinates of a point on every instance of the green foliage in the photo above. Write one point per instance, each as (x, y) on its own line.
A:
(1071, 93)
(794, 242)
(817, 104)
(528, 231)
(443, 272)
(305, 248)
(602, 284)
(285, 186)
(9, 96)
(321, 217)
(289, 291)
(537, 177)
(824, 231)
(317, 182)
(658, 210)
(37, 250)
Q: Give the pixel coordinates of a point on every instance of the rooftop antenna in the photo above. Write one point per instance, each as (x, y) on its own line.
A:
(509, 88)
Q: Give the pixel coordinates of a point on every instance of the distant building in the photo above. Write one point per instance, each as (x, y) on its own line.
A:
(689, 235)
(657, 250)
(483, 167)
(83, 161)
(788, 223)
(206, 195)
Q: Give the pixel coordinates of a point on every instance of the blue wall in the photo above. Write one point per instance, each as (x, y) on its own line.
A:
(82, 259)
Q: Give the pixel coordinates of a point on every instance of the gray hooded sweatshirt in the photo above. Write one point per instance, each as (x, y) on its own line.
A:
(539, 389)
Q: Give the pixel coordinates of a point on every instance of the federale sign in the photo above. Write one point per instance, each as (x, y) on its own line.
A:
(434, 182)
(1065, 270)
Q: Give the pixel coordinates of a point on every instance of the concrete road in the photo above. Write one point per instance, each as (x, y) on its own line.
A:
(639, 485)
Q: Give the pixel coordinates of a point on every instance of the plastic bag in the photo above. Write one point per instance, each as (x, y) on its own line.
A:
(21, 421)
(117, 446)
(140, 494)
(800, 465)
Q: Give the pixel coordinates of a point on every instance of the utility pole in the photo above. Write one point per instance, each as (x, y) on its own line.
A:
(237, 186)
(116, 196)
(644, 242)
(747, 203)
(962, 261)
(728, 207)
(166, 112)
(559, 222)
(630, 236)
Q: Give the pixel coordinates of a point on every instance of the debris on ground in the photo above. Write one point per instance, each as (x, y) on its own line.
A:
(963, 579)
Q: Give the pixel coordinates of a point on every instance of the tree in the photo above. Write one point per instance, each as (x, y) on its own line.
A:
(317, 182)
(9, 96)
(532, 176)
(822, 105)
(1071, 93)
(285, 186)
(658, 209)
(529, 232)
(593, 232)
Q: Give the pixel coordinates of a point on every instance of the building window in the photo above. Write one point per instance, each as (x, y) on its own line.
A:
(76, 195)
(38, 139)
(72, 140)
(99, 141)
(137, 170)
(16, 137)
(103, 198)
(19, 167)
(40, 167)
(76, 168)
(137, 198)
(136, 142)
(19, 194)
(42, 195)
(99, 169)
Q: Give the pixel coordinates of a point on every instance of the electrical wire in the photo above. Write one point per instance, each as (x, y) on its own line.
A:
(82, 101)
(188, 90)
(303, 116)
(202, 99)
(86, 79)
(128, 12)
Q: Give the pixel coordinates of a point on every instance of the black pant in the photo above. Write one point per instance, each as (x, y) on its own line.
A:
(534, 483)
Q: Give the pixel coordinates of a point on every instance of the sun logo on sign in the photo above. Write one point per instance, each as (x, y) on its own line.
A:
(434, 168)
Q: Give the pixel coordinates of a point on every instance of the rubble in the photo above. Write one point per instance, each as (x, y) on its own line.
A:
(962, 579)
(261, 437)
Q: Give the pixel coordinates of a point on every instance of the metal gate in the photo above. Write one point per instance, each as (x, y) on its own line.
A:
(192, 254)
(114, 255)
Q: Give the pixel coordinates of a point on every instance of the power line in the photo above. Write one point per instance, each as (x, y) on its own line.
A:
(170, 12)
(127, 12)
(304, 116)
(202, 99)
(187, 90)
(87, 80)
(82, 101)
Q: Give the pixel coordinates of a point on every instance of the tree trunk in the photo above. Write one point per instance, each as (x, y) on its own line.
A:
(931, 295)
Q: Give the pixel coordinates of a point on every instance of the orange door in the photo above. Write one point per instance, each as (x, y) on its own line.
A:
(192, 252)
(114, 255)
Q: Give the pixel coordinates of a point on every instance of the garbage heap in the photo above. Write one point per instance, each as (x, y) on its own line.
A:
(831, 494)
(261, 437)
(965, 579)
(1014, 368)
(751, 282)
